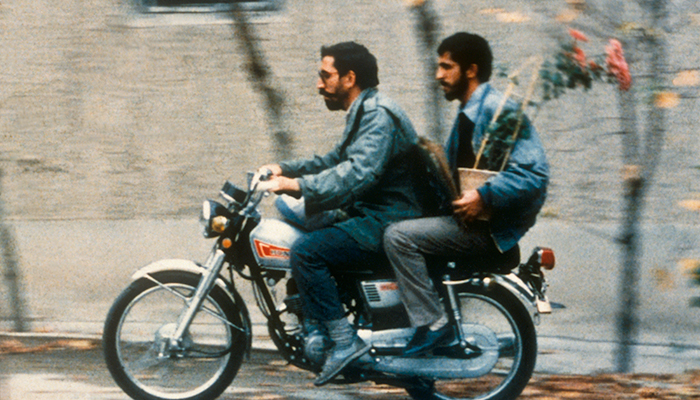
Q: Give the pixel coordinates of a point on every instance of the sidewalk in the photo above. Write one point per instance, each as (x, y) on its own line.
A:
(73, 270)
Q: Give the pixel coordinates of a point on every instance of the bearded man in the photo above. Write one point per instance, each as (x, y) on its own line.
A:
(368, 175)
(512, 198)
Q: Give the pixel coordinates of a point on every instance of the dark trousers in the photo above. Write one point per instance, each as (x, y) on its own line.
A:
(315, 259)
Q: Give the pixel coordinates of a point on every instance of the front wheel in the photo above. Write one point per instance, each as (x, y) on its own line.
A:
(509, 322)
(148, 366)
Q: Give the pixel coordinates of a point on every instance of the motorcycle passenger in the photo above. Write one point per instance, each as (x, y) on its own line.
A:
(512, 198)
(367, 175)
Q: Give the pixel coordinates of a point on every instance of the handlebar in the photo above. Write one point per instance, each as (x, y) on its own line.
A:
(259, 187)
(260, 182)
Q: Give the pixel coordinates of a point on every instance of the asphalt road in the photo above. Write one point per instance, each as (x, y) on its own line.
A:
(74, 370)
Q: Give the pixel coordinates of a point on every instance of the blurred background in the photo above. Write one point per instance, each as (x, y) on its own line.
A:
(118, 118)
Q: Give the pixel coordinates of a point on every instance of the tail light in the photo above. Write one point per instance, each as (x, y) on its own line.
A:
(545, 257)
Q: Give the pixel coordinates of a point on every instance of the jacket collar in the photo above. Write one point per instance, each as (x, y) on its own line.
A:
(352, 112)
(475, 103)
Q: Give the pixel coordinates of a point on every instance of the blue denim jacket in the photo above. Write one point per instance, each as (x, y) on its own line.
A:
(367, 174)
(517, 193)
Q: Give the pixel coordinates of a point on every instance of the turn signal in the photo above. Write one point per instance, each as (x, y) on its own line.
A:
(546, 258)
(226, 243)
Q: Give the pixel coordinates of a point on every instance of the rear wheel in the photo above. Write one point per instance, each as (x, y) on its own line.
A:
(139, 353)
(509, 322)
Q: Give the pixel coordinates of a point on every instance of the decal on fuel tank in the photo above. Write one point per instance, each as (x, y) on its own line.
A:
(266, 250)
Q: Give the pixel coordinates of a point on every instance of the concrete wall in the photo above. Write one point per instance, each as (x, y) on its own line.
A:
(105, 113)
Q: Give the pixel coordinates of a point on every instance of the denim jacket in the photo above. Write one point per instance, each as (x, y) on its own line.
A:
(367, 173)
(517, 193)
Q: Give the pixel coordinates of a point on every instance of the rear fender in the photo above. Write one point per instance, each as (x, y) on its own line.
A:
(516, 286)
(510, 282)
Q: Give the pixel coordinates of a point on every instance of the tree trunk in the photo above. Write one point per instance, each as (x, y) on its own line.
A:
(261, 77)
(427, 26)
(638, 174)
(11, 271)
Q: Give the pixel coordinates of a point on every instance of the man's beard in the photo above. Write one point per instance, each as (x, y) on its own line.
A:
(333, 102)
(457, 90)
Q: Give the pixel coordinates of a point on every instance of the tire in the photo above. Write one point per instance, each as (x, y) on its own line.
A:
(212, 351)
(502, 312)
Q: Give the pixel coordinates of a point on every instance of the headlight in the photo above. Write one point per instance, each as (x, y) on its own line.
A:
(214, 218)
(219, 224)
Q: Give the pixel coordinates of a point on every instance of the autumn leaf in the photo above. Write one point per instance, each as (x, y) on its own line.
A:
(492, 11)
(687, 78)
(567, 16)
(689, 267)
(667, 100)
(512, 17)
(415, 3)
(693, 205)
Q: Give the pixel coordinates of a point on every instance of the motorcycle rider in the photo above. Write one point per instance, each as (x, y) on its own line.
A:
(512, 198)
(367, 174)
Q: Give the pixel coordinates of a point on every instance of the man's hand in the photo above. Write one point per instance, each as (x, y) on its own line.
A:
(469, 206)
(275, 168)
(286, 186)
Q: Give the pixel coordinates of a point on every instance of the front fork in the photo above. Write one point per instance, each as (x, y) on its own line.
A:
(212, 268)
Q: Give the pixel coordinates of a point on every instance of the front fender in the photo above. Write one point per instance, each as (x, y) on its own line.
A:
(196, 269)
(176, 265)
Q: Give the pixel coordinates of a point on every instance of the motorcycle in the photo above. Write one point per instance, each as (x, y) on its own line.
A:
(181, 329)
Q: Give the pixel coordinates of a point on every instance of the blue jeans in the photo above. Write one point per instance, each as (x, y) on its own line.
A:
(319, 256)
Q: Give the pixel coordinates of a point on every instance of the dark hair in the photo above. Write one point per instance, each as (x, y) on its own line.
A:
(350, 56)
(467, 49)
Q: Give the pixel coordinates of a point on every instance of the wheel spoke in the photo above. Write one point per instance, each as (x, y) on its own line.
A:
(139, 348)
(496, 323)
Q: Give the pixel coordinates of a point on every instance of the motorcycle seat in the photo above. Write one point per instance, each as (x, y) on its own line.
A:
(496, 262)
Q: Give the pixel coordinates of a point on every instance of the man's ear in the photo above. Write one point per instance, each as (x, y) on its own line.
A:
(472, 71)
(349, 79)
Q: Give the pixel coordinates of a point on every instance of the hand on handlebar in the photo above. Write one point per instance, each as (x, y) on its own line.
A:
(280, 185)
(286, 186)
(271, 180)
(275, 169)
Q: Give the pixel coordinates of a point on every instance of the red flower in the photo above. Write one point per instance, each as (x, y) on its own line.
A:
(580, 57)
(577, 35)
(617, 65)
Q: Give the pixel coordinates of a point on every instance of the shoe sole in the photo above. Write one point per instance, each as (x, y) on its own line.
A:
(442, 342)
(354, 356)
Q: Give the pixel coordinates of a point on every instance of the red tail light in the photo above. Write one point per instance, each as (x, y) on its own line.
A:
(545, 257)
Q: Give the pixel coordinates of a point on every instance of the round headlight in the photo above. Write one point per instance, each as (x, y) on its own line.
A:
(219, 224)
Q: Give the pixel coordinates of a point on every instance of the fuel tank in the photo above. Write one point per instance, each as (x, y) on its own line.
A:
(271, 240)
